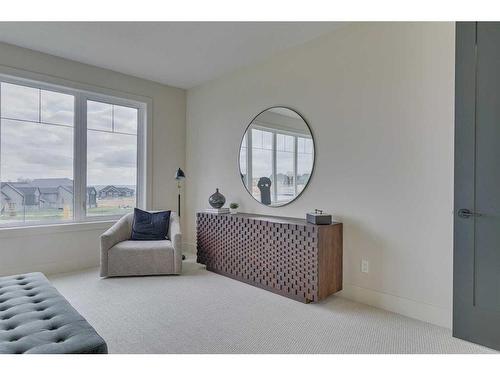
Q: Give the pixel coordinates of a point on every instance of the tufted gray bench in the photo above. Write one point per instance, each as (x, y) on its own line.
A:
(35, 318)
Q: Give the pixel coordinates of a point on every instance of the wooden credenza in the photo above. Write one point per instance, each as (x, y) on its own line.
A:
(287, 256)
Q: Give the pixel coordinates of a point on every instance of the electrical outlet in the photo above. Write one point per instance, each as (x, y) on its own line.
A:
(364, 266)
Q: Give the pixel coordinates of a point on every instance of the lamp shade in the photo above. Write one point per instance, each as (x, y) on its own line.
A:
(179, 175)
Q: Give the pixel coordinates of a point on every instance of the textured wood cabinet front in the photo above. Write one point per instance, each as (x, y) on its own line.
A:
(286, 256)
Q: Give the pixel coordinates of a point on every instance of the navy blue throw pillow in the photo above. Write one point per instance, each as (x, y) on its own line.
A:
(148, 226)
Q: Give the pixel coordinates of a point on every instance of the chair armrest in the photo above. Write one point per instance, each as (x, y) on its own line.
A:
(119, 232)
(176, 238)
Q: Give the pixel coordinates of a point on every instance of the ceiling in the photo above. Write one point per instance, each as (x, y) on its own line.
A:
(180, 54)
(284, 112)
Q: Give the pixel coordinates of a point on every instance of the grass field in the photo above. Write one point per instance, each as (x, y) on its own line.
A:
(105, 207)
(112, 206)
(38, 215)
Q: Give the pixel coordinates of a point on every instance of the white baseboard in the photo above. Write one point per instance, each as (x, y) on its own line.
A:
(404, 306)
(52, 268)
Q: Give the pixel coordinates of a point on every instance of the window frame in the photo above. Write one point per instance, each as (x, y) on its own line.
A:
(81, 94)
(258, 125)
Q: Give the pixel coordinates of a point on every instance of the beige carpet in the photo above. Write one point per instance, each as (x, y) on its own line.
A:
(201, 312)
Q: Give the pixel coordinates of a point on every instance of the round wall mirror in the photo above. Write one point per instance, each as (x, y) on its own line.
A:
(276, 156)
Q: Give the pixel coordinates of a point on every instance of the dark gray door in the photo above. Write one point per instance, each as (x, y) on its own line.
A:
(476, 285)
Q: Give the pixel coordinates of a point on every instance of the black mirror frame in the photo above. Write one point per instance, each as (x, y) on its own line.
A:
(314, 155)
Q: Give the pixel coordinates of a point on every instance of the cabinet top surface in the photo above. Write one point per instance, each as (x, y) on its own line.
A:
(272, 219)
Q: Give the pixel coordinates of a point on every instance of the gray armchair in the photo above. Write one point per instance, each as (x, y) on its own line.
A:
(122, 257)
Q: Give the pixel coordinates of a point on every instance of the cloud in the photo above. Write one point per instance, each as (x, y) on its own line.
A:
(38, 150)
(116, 159)
(19, 102)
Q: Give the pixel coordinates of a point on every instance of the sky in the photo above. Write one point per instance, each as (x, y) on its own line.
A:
(32, 149)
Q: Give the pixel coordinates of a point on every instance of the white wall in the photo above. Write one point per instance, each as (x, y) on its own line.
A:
(379, 100)
(73, 249)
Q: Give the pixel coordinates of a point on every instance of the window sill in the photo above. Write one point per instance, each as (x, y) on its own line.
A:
(43, 229)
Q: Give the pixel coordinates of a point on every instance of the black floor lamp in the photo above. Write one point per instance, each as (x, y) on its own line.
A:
(179, 176)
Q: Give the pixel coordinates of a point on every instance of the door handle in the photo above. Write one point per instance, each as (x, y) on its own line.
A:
(466, 213)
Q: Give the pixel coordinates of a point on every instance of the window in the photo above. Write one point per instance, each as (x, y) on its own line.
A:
(111, 158)
(285, 157)
(285, 175)
(305, 161)
(67, 155)
(262, 154)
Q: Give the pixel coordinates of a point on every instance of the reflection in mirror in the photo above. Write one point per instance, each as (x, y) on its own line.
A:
(276, 156)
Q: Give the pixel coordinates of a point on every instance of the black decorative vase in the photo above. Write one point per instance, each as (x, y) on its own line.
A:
(217, 200)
